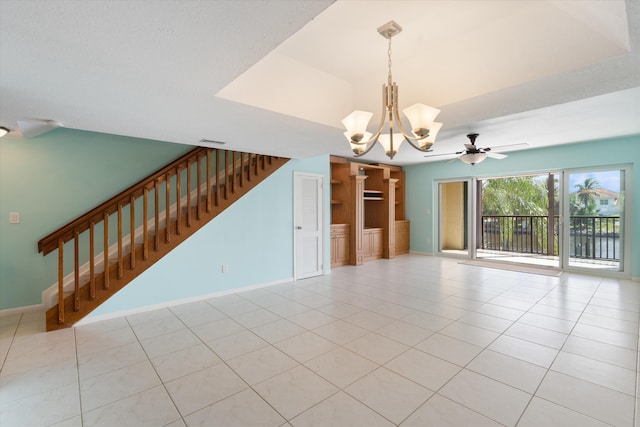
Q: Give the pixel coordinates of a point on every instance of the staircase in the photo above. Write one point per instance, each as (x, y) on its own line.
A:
(115, 242)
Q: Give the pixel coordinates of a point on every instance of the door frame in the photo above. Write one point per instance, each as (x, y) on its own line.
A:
(321, 223)
(625, 221)
(470, 212)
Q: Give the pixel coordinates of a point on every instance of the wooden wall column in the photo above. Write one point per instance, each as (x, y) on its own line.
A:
(389, 218)
(357, 219)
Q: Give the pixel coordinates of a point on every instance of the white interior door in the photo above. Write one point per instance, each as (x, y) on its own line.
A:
(308, 225)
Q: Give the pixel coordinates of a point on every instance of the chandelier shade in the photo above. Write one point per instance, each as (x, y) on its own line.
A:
(421, 117)
(390, 142)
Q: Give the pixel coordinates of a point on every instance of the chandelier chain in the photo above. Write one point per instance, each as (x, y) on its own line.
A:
(389, 78)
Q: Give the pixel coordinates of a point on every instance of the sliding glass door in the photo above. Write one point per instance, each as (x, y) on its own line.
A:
(517, 219)
(594, 216)
(570, 220)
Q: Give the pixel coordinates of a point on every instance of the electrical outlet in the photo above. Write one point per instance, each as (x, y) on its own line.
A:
(14, 217)
(225, 268)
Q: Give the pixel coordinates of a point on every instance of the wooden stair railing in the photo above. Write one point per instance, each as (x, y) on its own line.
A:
(167, 207)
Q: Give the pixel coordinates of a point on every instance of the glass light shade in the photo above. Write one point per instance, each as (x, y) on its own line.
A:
(3, 131)
(433, 132)
(358, 149)
(421, 116)
(356, 123)
(385, 141)
(473, 158)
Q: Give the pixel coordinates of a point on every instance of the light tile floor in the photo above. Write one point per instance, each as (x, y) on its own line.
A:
(415, 341)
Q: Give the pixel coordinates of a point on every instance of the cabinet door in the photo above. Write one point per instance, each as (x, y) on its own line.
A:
(342, 248)
(377, 244)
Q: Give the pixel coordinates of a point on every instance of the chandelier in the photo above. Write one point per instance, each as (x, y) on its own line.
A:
(420, 116)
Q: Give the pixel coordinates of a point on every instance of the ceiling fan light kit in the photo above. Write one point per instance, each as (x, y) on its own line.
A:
(421, 117)
(4, 130)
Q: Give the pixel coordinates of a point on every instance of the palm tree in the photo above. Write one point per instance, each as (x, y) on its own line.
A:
(587, 192)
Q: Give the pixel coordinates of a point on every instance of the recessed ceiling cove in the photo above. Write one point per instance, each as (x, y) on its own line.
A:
(448, 51)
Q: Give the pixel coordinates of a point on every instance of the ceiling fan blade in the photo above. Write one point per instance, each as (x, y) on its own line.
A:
(442, 154)
(496, 155)
(509, 146)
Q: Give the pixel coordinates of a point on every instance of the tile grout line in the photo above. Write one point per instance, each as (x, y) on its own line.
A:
(534, 394)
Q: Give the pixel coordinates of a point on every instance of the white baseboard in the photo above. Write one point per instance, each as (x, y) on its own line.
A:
(99, 318)
(18, 310)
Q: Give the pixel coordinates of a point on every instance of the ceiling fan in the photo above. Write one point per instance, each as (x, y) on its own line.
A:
(473, 154)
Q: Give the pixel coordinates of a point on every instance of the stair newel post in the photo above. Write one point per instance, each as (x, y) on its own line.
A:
(60, 281)
(132, 232)
(198, 184)
(178, 201)
(145, 228)
(167, 208)
(189, 192)
(106, 250)
(76, 270)
(156, 225)
(120, 264)
(92, 262)
(208, 180)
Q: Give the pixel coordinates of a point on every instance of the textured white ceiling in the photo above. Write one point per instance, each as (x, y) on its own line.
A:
(277, 76)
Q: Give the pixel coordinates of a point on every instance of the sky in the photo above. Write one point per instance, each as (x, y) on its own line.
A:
(606, 179)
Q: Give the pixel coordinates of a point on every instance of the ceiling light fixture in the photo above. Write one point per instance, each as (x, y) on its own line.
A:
(4, 131)
(420, 116)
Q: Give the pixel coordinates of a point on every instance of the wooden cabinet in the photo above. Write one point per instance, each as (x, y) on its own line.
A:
(369, 199)
(402, 237)
(339, 245)
(372, 247)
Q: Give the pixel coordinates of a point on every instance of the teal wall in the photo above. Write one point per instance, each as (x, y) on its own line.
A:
(55, 177)
(50, 180)
(254, 237)
(420, 181)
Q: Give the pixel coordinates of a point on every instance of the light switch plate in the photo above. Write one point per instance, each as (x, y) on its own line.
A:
(14, 217)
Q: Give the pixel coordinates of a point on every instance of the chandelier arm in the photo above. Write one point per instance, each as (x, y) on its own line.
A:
(417, 147)
(396, 115)
(374, 137)
(373, 144)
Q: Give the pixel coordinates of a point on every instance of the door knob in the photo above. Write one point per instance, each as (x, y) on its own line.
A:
(298, 228)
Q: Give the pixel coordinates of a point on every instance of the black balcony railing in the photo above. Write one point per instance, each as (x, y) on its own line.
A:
(590, 237)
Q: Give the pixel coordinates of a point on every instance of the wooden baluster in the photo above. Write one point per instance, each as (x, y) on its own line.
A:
(106, 250)
(132, 232)
(156, 200)
(188, 194)
(217, 179)
(120, 264)
(92, 261)
(178, 202)
(226, 175)
(241, 174)
(198, 190)
(248, 167)
(262, 162)
(145, 228)
(255, 172)
(76, 270)
(60, 281)
(208, 181)
(233, 172)
(167, 209)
